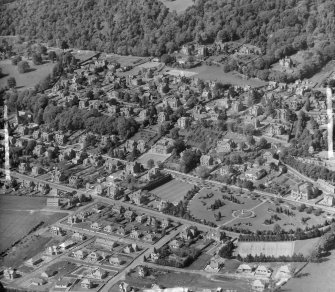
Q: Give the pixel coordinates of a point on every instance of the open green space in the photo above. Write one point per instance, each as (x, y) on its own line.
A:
(25, 80)
(314, 277)
(178, 5)
(199, 206)
(19, 215)
(173, 191)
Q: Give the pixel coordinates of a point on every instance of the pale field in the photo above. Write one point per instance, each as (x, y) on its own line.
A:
(315, 277)
(25, 80)
(178, 5)
(173, 191)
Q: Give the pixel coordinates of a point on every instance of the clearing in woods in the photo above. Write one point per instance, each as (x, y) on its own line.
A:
(24, 80)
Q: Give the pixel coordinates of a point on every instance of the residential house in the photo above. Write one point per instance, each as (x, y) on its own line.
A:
(286, 62)
(141, 146)
(163, 146)
(39, 150)
(96, 226)
(183, 122)
(237, 106)
(94, 257)
(206, 160)
(46, 137)
(60, 138)
(9, 274)
(74, 181)
(121, 231)
(263, 271)
(139, 198)
(86, 284)
(79, 236)
(284, 272)
(244, 268)
(108, 244)
(325, 186)
(133, 168)
(224, 145)
(304, 191)
(190, 232)
(36, 134)
(255, 174)
(142, 271)
(118, 209)
(43, 188)
(141, 218)
(114, 191)
(165, 223)
(215, 264)
(258, 285)
(150, 237)
(256, 110)
(162, 205)
(130, 215)
(116, 261)
(79, 254)
(23, 167)
(162, 117)
(36, 170)
(135, 234)
(176, 244)
(328, 200)
(216, 235)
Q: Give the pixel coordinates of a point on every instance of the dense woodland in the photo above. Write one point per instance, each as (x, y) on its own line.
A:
(146, 27)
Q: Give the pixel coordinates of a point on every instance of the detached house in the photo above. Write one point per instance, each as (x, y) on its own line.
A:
(206, 160)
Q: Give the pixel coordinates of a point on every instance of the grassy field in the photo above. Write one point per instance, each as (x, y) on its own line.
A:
(216, 73)
(155, 157)
(315, 277)
(178, 5)
(198, 206)
(19, 215)
(194, 282)
(275, 249)
(172, 191)
(285, 222)
(26, 80)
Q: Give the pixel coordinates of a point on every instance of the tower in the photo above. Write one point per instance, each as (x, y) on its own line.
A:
(330, 123)
(7, 166)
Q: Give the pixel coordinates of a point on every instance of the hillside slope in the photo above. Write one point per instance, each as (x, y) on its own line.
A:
(146, 27)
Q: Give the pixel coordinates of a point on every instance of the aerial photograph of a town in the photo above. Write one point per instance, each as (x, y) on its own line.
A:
(167, 145)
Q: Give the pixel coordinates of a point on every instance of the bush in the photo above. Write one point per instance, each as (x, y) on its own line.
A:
(23, 67)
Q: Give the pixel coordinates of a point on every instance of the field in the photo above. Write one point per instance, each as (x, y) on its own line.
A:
(173, 191)
(275, 249)
(194, 282)
(26, 80)
(198, 206)
(155, 157)
(178, 5)
(312, 275)
(263, 209)
(19, 215)
(216, 73)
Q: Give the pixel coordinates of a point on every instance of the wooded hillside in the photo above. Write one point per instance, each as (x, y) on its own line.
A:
(146, 27)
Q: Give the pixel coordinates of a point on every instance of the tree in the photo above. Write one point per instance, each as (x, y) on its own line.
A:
(64, 45)
(16, 60)
(37, 59)
(150, 163)
(202, 172)
(11, 82)
(23, 67)
(52, 56)
(262, 143)
(166, 59)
